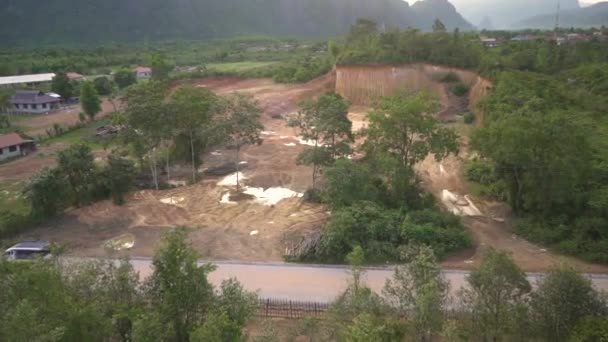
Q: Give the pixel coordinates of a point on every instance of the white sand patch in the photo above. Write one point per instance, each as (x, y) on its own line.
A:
(284, 137)
(459, 205)
(243, 163)
(290, 144)
(254, 233)
(216, 153)
(226, 199)
(306, 142)
(230, 180)
(271, 196)
(268, 133)
(441, 169)
(172, 200)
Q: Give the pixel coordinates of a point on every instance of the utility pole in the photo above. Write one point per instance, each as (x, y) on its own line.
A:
(555, 34)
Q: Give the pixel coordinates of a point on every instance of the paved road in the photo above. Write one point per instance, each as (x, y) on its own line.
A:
(314, 282)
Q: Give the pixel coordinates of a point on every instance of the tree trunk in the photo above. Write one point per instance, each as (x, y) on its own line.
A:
(192, 155)
(168, 166)
(238, 149)
(154, 169)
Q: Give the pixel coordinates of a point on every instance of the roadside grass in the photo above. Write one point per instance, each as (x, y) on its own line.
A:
(15, 211)
(238, 67)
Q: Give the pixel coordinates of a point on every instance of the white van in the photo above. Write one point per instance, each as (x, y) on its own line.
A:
(28, 251)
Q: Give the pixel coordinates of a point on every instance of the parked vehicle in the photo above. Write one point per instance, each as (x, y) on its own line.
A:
(28, 250)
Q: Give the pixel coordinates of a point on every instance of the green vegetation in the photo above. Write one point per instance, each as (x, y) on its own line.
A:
(91, 104)
(105, 300)
(376, 202)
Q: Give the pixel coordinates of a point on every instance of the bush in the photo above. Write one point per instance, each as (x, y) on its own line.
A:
(469, 118)
(479, 171)
(103, 85)
(460, 89)
(383, 233)
(450, 77)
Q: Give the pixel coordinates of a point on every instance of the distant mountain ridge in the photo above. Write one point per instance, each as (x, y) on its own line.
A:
(91, 21)
(592, 16)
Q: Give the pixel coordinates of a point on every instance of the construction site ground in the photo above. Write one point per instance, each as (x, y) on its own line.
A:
(223, 228)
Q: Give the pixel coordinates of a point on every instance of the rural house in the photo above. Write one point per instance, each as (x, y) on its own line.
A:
(76, 77)
(143, 73)
(28, 80)
(13, 145)
(33, 101)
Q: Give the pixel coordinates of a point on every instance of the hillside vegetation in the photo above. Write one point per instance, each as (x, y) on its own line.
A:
(70, 21)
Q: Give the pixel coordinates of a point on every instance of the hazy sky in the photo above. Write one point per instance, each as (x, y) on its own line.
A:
(458, 3)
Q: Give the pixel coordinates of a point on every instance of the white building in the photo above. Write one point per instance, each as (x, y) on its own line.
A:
(26, 79)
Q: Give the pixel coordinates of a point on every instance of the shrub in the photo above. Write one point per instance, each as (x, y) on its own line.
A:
(450, 77)
(460, 89)
(469, 118)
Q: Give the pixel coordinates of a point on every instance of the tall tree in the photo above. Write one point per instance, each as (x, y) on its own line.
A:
(439, 26)
(325, 122)
(62, 85)
(124, 78)
(419, 291)
(78, 166)
(179, 288)
(160, 68)
(47, 193)
(145, 114)
(103, 85)
(243, 125)
(563, 299)
(495, 290)
(194, 110)
(120, 173)
(91, 104)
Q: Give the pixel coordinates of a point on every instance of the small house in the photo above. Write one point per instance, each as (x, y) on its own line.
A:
(74, 76)
(489, 41)
(12, 145)
(33, 101)
(143, 73)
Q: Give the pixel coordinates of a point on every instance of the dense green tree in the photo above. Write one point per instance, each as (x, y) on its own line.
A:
(125, 77)
(91, 104)
(325, 123)
(563, 299)
(77, 165)
(419, 291)
(438, 26)
(243, 126)
(347, 182)
(160, 68)
(495, 290)
(178, 288)
(62, 85)
(47, 193)
(103, 85)
(120, 173)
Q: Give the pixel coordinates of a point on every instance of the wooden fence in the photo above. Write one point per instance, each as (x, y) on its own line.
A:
(291, 309)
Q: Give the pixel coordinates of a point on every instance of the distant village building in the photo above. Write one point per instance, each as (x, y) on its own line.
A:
(490, 42)
(29, 80)
(524, 38)
(13, 145)
(74, 76)
(143, 73)
(33, 101)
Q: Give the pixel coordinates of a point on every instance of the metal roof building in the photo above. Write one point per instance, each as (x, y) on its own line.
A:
(23, 79)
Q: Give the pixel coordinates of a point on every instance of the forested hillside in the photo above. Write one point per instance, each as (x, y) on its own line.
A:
(71, 21)
(596, 15)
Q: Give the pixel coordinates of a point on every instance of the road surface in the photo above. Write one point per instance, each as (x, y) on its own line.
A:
(316, 283)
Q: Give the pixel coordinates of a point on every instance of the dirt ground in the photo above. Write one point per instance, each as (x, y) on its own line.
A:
(251, 231)
(36, 124)
(246, 230)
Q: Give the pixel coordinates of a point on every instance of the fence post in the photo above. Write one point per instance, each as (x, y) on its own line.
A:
(267, 306)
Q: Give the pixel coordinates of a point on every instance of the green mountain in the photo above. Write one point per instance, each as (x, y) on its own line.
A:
(592, 16)
(93, 21)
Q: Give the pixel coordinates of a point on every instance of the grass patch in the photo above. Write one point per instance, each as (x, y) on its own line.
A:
(238, 67)
(84, 134)
(14, 210)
